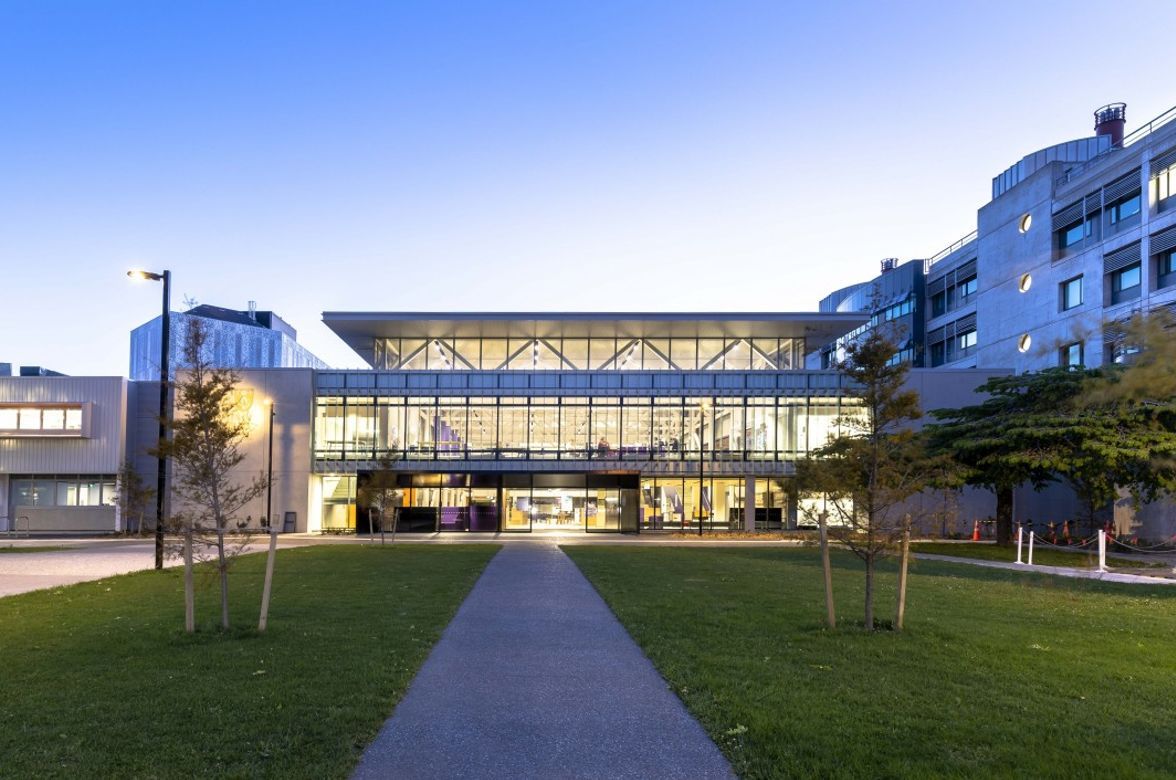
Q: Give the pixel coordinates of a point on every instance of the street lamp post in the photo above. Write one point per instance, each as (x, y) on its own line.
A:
(269, 478)
(164, 378)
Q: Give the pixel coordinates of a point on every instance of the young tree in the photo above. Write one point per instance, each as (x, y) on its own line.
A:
(134, 497)
(210, 422)
(876, 463)
(382, 495)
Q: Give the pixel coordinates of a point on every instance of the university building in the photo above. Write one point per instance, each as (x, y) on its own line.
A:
(590, 422)
(1076, 238)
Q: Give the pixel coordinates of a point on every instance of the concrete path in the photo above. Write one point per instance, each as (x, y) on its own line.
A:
(1061, 571)
(535, 678)
(81, 561)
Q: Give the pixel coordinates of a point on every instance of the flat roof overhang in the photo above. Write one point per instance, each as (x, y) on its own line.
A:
(359, 330)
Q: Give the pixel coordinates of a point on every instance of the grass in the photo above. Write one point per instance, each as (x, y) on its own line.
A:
(99, 680)
(1044, 556)
(998, 673)
(14, 549)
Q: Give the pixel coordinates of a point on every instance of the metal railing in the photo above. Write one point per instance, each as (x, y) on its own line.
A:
(1135, 136)
(947, 250)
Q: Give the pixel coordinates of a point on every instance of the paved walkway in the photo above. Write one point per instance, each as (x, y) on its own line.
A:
(81, 561)
(535, 677)
(1061, 571)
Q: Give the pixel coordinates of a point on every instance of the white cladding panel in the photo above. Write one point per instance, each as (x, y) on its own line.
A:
(99, 453)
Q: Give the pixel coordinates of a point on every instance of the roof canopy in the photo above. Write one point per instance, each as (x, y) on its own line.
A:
(360, 329)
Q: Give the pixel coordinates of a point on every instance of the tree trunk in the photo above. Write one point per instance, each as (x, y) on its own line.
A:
(395, 521)
(1004, 516)
(870, 591)
(223, 569)
(381, 527)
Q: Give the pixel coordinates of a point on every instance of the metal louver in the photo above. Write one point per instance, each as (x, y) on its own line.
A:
(1163, 241)
(1122, 187)
(1121, 258)
(1068, 215)
(1162, 162)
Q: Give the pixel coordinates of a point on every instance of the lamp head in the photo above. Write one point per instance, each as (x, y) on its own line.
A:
(139, 275)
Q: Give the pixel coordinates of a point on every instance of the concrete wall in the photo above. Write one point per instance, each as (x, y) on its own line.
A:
(292, 392)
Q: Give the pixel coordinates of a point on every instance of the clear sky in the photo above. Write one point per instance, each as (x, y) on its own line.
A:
(601, 155)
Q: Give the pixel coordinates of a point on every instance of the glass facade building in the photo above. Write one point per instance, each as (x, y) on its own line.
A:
(592, 422)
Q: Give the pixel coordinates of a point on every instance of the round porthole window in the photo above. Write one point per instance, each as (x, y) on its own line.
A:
(1025, 342)
(1026, 223)
(1026, 283)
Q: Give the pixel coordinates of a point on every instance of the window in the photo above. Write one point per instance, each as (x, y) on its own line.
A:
(967, 289)
(1165, 185)
(1075, 233)
(939, 304)
(1071, 293)
(1122, 209)
(1125, 283)
(64, 491)
(962, 345)
(1070, 355)
(1166, 268)
(937, 354)
(38, 420)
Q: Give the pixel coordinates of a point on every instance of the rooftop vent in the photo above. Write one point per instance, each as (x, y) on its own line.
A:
(1111, 120)
(889, 264)
(253, 310)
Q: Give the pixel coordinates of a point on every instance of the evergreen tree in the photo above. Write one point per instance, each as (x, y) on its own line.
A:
(877, 461)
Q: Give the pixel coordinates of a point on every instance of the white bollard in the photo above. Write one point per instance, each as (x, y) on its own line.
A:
(1020, 533)
(1102, 551)
(1030, 548)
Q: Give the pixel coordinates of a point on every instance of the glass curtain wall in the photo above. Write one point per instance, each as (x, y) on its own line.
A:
(637, 428)
(623, 353)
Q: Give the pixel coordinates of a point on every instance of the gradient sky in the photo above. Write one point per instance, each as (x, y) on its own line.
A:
(516, 156)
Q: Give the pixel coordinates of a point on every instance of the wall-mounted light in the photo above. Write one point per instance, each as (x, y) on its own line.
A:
(1025, 342)
(1025, 283)
(1025, 223)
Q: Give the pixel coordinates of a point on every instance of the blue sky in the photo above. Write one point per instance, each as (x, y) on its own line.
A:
(516, 156)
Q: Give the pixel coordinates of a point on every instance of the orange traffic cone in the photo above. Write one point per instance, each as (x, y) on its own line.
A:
(976, 531)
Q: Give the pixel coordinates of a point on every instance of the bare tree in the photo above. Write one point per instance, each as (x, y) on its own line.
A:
(133, 497)
(210, 422)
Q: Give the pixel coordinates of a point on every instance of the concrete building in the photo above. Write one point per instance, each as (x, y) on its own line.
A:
(895, 298)
(1076, 237)
(237, 339)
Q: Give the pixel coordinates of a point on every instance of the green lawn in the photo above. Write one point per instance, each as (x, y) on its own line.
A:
(8, 548)
(99, 680)
(1044, 556)
(999, 673)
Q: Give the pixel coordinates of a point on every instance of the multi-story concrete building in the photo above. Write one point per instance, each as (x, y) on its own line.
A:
(236, 339)
(895, 299)
(1076, 237)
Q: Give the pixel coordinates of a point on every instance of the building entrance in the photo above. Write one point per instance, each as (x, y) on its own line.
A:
(511, 503)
